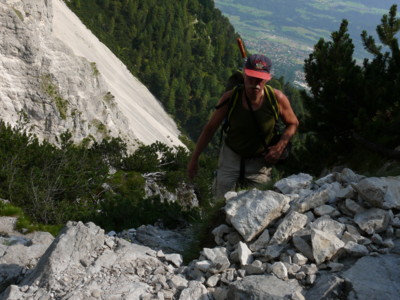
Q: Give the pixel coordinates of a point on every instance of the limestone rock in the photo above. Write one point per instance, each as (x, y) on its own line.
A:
(327, 287)
(280, 270)
(290, 224)
(57, 76)
(76, 263)
(245, 256)
(328, 225)
(375, 278)
(294, 183)
(373, 220)
(353, 206)
(251, 212)
(355, 249)
(261, 242)
(325, 245)
(380, 192)
(195, 291)
(157, 238)
(314, 200)
(266, 287)
(175, 258)
(255, 268)
(302, 242)
(347, 176)
(219, 233)
(7, 224)
(307, 258)
(217, 259)
(299, 259)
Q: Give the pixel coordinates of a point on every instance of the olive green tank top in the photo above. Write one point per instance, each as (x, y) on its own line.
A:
(243, 136)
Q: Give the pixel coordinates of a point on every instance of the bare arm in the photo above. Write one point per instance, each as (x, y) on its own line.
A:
(289, 118)
(207, 134)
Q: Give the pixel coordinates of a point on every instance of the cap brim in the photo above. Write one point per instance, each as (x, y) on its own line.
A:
(257, 74)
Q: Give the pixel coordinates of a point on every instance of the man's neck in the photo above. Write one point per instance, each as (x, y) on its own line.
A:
(256, 101)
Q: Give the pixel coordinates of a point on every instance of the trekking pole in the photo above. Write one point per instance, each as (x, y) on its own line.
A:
(241, 48)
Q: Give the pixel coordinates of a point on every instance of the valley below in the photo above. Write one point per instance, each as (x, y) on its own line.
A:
(287, 31)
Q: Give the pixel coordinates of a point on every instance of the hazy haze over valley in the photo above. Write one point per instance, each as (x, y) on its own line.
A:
(287, 30)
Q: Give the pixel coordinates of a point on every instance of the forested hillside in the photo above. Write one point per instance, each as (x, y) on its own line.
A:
(183, 51)
(354, 108)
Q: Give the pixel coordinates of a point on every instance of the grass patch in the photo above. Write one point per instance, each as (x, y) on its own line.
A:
(19, 14)
(87, 141)
(202, 230)
(101, 128)
(109, 98)
(95, 71)
(50, 89)
(24, 224)
(9, 210)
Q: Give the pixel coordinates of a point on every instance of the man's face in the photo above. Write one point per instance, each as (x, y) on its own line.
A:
(254, 86)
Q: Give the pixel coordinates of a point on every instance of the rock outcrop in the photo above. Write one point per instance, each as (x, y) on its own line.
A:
(57, 76)
(325, 239)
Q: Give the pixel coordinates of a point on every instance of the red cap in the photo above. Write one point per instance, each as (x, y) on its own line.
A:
(258, 66)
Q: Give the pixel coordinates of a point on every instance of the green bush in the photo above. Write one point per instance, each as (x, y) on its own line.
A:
(53, 185)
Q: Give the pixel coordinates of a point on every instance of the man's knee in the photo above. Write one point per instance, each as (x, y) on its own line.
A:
(223, 184)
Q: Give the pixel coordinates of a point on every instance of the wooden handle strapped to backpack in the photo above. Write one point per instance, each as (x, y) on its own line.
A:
(241, 47)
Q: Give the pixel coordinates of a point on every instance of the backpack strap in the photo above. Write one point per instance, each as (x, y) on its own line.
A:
(235, 97)
(232, 101)
(270, 93)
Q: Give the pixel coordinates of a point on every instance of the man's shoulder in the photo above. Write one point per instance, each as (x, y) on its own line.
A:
(228, 94)
(278, 94)
(232, 92)
(225, 98)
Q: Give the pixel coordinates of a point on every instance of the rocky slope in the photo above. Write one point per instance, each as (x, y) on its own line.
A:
(337, 237)
(55, 75)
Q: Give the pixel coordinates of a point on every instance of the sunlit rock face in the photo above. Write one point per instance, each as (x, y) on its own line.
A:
(55, 75)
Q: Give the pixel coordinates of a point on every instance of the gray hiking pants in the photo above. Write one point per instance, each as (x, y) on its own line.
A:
(228, 173)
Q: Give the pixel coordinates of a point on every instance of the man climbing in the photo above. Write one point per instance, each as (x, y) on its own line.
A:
(247, 153)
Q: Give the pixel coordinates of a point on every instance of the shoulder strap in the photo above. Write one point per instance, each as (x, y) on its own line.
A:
(232, 97)
(270, 93)
(232, 101)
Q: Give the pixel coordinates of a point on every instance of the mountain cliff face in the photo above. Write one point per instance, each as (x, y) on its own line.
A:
(56, 76)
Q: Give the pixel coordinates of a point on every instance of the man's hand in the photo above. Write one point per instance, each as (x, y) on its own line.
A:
(274, 153)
